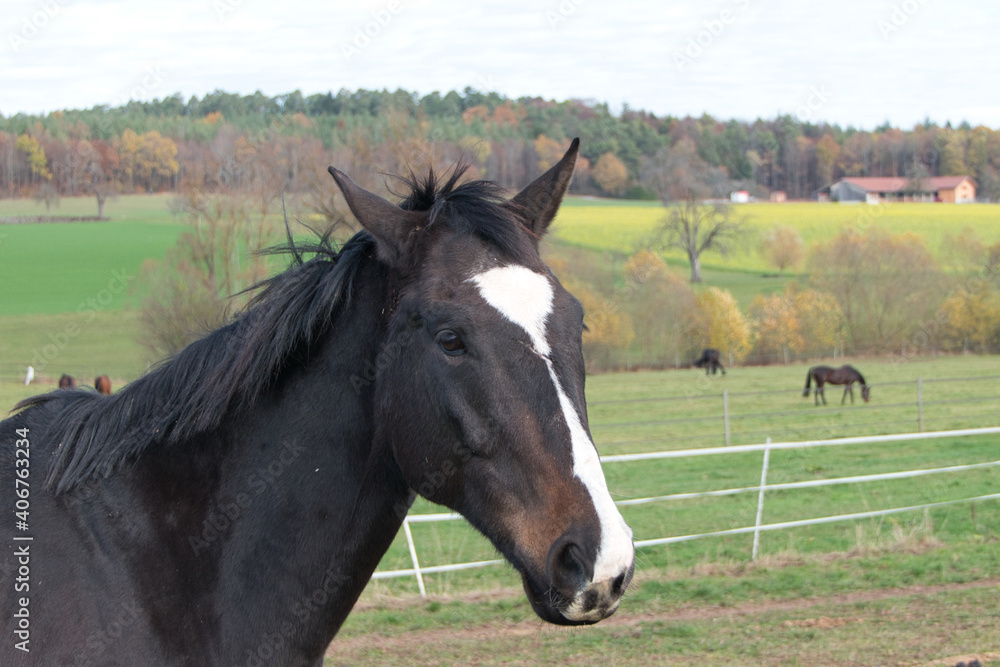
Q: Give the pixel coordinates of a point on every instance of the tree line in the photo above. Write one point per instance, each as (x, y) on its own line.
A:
(157, 145)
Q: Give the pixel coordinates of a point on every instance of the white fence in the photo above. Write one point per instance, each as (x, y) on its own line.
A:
(728, 417)
(758, 527)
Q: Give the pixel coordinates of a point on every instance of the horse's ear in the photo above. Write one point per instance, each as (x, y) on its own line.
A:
(390, 225)
(539, 201)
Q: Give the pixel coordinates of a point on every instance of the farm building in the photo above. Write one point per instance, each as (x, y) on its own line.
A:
(952, 189)
(779, 197)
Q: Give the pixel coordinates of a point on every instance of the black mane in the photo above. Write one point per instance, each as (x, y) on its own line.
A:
(223, 372)
(229, 369)
(474, 207)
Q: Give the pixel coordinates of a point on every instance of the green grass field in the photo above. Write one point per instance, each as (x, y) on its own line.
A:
(80, 267)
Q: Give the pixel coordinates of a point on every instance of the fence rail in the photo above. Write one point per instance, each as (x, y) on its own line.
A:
(418, 571)
(915, 405)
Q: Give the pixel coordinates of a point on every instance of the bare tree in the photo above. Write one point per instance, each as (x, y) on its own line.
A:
(47, 194)
(888, 286)
(221, 255)
(783, 247)
(679, 172)
(696, 228)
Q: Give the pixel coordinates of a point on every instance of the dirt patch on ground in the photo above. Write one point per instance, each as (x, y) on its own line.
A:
(347, 646)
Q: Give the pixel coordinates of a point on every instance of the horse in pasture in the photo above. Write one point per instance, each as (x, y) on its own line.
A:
(229, 506)
(709, 360)
(845, 375)
(102, 383)
(67, 382)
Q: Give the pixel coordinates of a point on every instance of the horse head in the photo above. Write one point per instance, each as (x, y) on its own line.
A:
(479, 390)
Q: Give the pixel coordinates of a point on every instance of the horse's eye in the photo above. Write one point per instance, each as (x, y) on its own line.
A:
(450, 343)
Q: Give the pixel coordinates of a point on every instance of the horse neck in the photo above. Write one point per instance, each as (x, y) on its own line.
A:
(300, 488)
(351, 493)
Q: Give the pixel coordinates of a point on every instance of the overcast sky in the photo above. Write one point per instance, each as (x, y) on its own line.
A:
(849, 62)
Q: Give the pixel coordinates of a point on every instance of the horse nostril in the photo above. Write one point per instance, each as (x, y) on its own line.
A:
(571, 561)
(618, 585)
(568, 567)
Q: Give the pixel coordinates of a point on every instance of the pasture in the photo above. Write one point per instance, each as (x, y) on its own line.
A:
(906, 589)
(624, 225)
(618, 229)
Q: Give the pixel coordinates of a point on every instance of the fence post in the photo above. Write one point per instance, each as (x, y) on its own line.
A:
(725, 412)
(760, 500)
(413, 557)
(920, 405)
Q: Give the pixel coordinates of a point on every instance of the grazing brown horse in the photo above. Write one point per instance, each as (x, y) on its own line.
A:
(709, 360)
(103, 385)
(846, 375)
(67, 382)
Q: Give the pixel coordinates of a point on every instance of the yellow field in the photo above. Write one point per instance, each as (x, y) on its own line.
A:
(624, 226)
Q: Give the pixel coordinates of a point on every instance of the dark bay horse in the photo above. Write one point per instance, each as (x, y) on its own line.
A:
(230, 506)
(709, 360)
(67, 382)
(845, 375)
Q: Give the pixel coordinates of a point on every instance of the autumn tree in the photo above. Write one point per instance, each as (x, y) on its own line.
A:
(951, 148)
(783, 247)
(98, 166)
(972, 318)
(965, 250)
(610, 174)
(820, 320)
(663, 309)
(827, 152)
(722, 325)
(476, 151)
(776, 327)
(794, 322)
(695, 228)
(149, 161)
(886, 285)
(607, 328)
(33, 152)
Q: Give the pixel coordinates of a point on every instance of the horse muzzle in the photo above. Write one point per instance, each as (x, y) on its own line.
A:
(572, 595)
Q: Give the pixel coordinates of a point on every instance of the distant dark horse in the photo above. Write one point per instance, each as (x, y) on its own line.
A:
(67, 382)
(709, 360)
(230, 506)
(102, 383)
(846, 375)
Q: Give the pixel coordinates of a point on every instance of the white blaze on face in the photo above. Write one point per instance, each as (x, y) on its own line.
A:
(525, 298)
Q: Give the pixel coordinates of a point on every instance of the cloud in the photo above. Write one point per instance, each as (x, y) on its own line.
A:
(755, 58)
